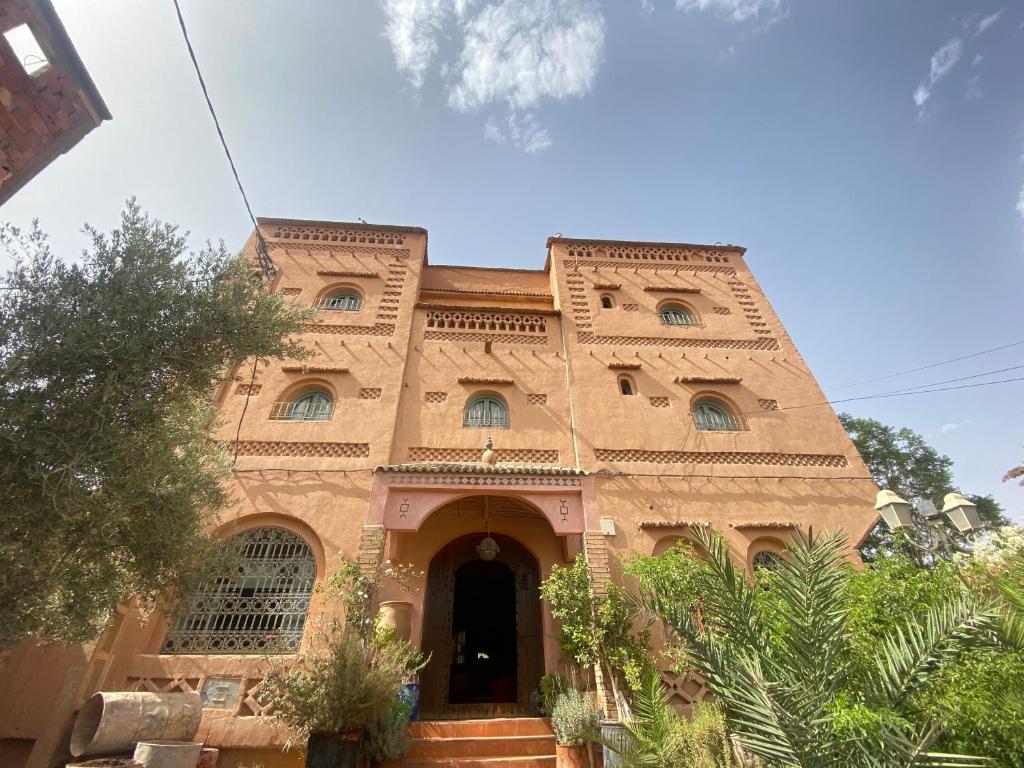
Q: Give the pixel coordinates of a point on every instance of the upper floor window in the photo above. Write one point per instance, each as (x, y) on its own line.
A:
(674, 314)
(766, 558)
(259, 605)
(626, 386)
(486, 411)
(607, 302)
(315, 405)
(712, 417)
(346, 301)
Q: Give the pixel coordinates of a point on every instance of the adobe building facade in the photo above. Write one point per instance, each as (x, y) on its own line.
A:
(48, 102)
(630, 391)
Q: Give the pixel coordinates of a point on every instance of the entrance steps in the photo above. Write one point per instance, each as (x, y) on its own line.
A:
(510, 742)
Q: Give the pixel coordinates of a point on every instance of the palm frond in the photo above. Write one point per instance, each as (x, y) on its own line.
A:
(910, 654)
(911, 750)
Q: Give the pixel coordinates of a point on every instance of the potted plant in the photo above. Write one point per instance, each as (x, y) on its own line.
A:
(387, 736)
(331, 694)
(576, 724)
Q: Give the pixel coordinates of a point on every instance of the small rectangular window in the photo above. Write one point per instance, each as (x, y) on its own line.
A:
(27, 50)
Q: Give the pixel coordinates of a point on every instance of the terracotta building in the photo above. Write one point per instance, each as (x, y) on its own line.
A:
(630, 390)
(48, 102)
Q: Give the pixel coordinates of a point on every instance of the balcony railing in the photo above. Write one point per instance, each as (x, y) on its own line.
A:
(485, 422)
(713, 422)
(299, 411)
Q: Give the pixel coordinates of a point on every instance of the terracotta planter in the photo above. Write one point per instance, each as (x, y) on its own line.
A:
(111, 722)
(168, 754)
(208, 758)
(108, 762)
(397, 614)
(571, 756)
(333, 750)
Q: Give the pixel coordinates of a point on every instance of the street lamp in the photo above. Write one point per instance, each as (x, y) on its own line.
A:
(895, 513)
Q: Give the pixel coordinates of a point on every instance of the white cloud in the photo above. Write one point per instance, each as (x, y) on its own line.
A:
(734, 10)
(977, 59)
(521, 131)
(1020, 202)
(988, 21)
(515, 54)
(942, 63)
(519, 52)
(412, 29)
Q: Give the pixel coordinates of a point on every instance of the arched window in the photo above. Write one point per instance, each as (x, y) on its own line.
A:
(486, 411)
(712, 417)
(766, 558)
(626, 386)
(312, 405)
(347, 301)
(607, 302)
(258, 606)
(674, 314)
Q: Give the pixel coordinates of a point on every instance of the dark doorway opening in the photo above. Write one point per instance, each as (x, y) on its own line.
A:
(484, 660)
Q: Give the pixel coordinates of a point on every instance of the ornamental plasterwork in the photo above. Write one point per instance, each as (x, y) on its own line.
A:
(504, 481)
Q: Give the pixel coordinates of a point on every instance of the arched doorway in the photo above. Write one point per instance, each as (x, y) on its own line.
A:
(482, 628)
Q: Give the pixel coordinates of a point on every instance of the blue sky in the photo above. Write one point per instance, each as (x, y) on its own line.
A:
(870, 155)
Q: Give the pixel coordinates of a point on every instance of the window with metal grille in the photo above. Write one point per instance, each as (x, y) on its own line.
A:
(766, 559)
(487, 411)
(711, 417)
(347, 302)
(676, 315)
(310, 406)
(259, 606)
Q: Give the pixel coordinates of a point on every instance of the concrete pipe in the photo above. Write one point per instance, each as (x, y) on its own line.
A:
(168, 754)
(113, 721)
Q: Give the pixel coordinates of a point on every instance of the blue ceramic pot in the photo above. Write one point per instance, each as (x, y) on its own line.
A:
(410, 694)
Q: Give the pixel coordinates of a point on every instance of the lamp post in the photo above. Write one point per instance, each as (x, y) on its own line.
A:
(961, 512)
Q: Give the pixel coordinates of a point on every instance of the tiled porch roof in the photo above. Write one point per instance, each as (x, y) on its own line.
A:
(446, 468)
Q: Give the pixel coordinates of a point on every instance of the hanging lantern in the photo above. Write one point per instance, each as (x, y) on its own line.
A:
(894, 510)
(487, 548)
(962, 513)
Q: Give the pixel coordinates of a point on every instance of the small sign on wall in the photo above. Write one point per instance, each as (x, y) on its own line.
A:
(221, 692)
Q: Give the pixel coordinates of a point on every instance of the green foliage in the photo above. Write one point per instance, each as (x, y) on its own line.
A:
(900, 460)
(387, 735)
(110, 476)
(343, 684)
(574, 719)
(593, 628)
(549, 689)
(781, 659)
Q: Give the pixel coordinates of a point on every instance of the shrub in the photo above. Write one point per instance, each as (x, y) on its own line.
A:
(341, 687)
(550, 688)
(387, 735)
(575, 720)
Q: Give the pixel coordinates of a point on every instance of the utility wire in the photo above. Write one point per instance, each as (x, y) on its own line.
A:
(963, 378)
(262, 252)
(926, 367)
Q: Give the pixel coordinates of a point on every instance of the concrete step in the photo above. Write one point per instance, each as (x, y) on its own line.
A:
(492, 727)
(485, 762)
(481, 747)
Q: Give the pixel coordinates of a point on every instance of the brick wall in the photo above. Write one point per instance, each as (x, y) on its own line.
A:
(45, 114)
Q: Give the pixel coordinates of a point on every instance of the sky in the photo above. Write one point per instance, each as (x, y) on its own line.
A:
(870, 156)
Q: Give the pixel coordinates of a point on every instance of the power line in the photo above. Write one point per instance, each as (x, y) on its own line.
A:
(926, 367)
(963, 378)
(262, 252)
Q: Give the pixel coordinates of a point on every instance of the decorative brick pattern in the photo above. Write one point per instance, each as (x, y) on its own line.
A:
(371, 549)
(670, 289)
(638, 267)
(251, 389)
(607, 286)
(314, 369)
(337, 250)
(487, 321)
(469, 455)
(631, 307)
(485, 381)
(377, 329)
(502, 338)
(721, 310)
(628, 455)
(286, 448)
(685, 690)
(768, 405)
(435, 397)
(708, 379)
(660, 402)
(586, 337)
(346, 273)
(290, 291)
(537, 399)
(336, 235)
(370, 393)
(624, 366)
(647, 253)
